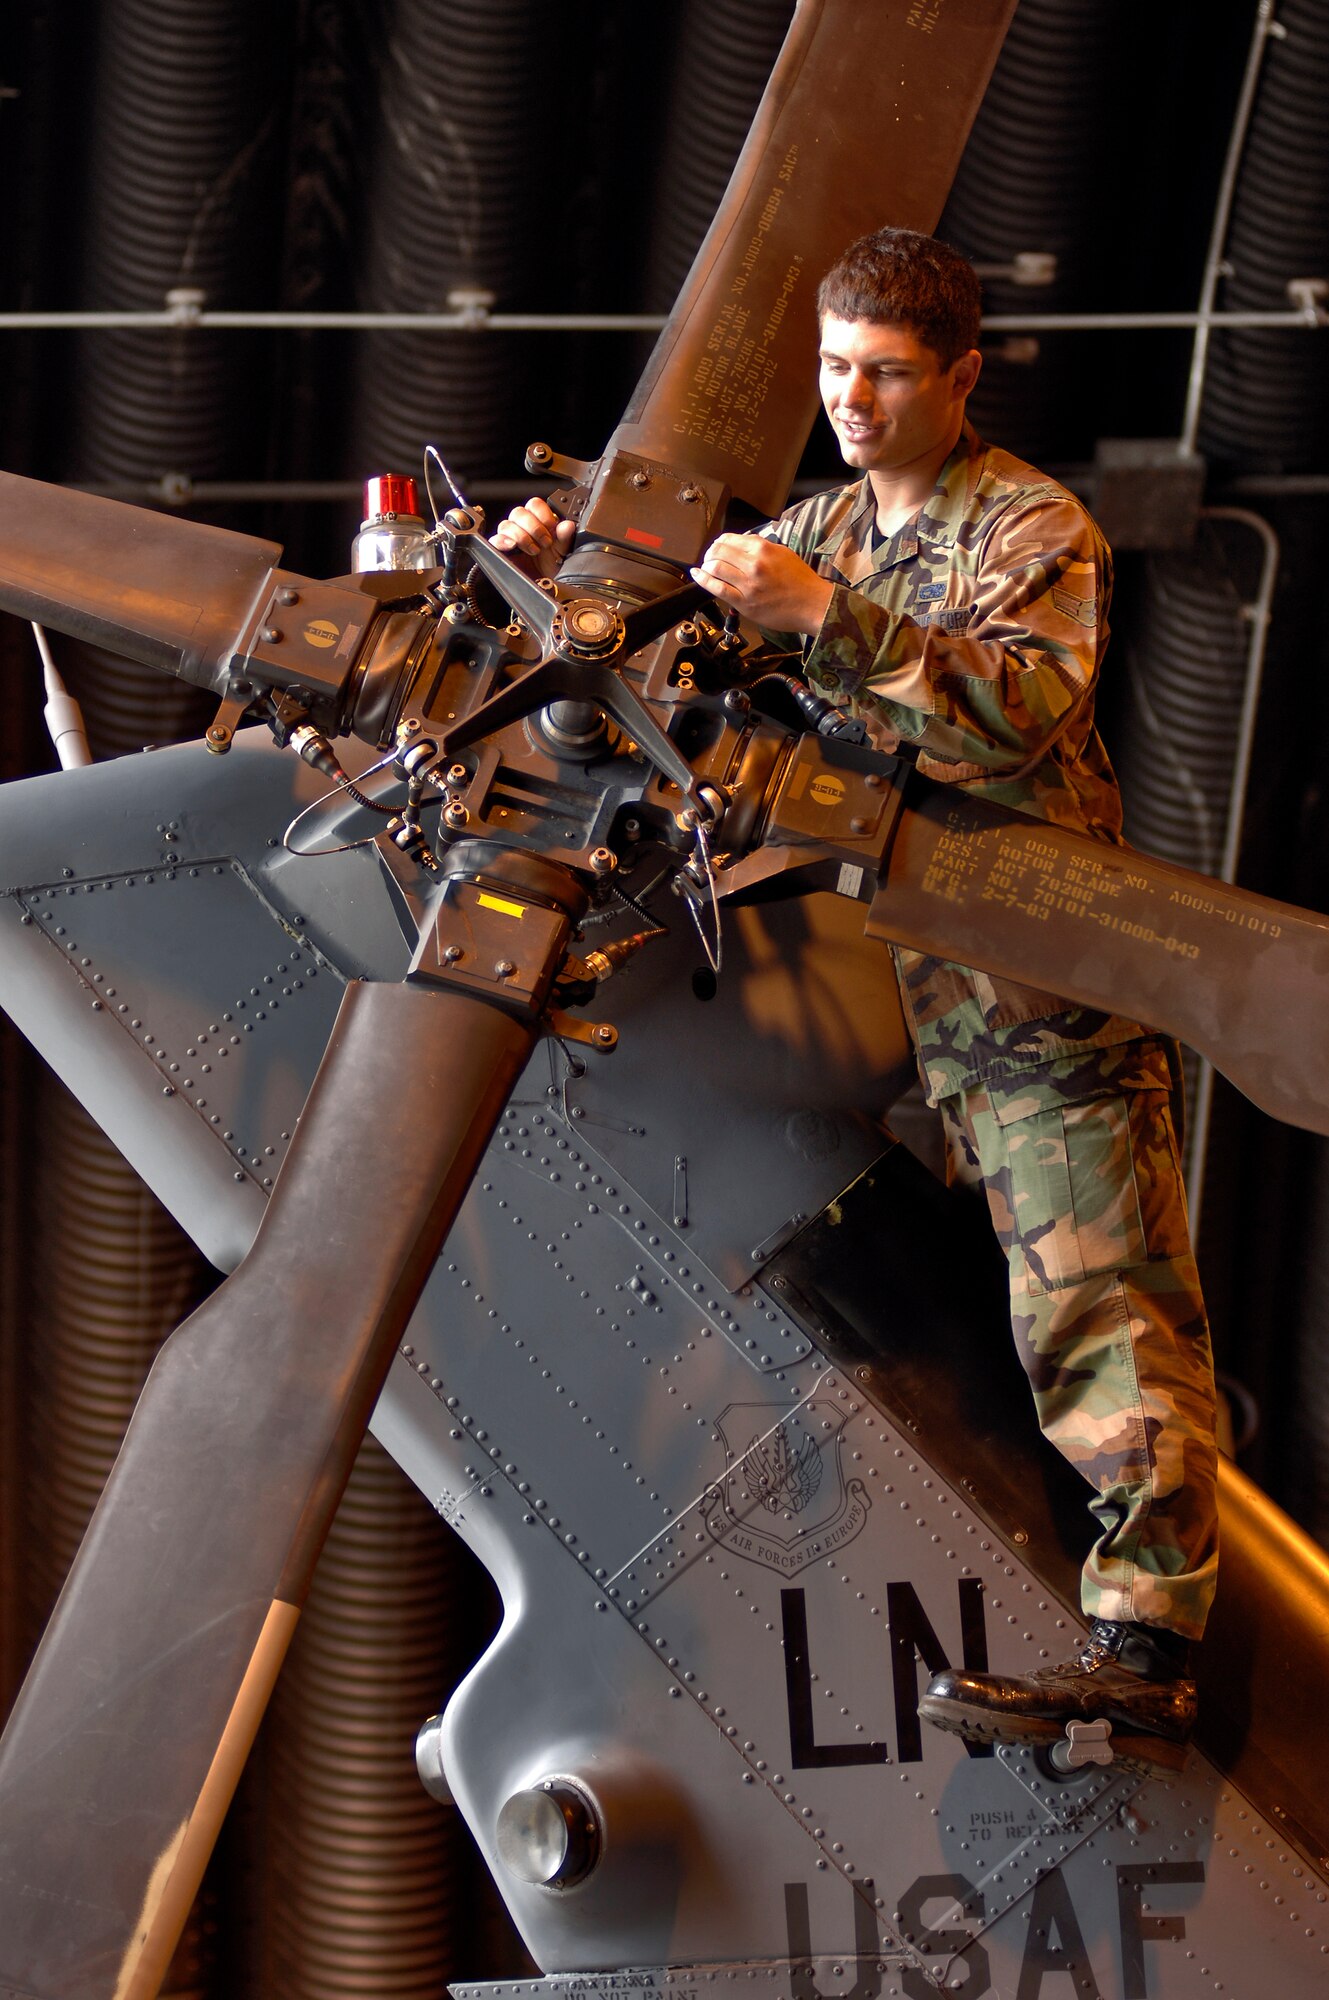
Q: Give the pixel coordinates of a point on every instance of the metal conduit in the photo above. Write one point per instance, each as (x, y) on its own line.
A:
(1304, 1411)
(1264, 407)
(183, 132)
(112, 1275)
(723, 54)
(462, 91)
(182, 145)
(1048, 101)
(181, 112)
(367, 1884)
(1185, 672)
(1193, 672)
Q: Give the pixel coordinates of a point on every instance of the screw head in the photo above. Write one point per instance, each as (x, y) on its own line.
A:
(603, 860)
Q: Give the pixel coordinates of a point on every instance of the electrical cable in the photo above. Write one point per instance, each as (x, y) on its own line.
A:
(692, 900)
(345, 786)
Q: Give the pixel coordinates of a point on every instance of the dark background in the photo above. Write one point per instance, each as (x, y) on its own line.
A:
(382, 155)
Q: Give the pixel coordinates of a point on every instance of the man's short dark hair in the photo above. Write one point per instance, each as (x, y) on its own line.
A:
(895, 277)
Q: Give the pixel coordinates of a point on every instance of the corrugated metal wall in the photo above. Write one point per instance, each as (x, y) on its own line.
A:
(383, 153)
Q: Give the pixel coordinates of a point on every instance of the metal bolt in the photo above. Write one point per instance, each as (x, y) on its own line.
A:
(639, 479)
(686, 633)
(288, 596)
(504, 968)
(605, 1035)
(410, 727)
(451, 953)
(874, 781)
(858, 824)
(603, 860)
(1020, 1537)
(455, 813)
(271, 635)
(688, 494)
(457, 774)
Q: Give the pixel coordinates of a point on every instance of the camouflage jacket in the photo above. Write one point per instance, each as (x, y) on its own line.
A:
(975, 634)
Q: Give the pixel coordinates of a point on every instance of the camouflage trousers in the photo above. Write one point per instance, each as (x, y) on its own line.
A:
(1078, 1161)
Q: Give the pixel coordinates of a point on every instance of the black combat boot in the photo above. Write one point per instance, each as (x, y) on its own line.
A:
(1136, 1677)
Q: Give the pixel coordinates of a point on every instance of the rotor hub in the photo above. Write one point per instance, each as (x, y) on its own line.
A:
(587, 628)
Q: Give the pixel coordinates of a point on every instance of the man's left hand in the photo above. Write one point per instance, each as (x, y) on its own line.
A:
(766, 582)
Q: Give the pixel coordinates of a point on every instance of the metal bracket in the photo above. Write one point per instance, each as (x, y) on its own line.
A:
(236, 702)
(601, 1035)
(543, 459)
(1083, 1743)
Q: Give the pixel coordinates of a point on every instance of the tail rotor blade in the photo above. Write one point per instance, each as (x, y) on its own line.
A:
(1239, 977)
(169, 593)
(126, 1742)
(862, 123)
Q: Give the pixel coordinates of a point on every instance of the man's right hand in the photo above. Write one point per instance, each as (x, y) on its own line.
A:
(536, 532)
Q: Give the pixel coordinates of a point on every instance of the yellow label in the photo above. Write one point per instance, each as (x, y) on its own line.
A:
(322, 632)
(488, 902)
(826, 791)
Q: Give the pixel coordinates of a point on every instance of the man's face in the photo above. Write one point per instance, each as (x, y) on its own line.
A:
(889, 399)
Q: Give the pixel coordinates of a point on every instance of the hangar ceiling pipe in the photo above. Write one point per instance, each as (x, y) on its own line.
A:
(1184, 753)
(1263, 406)
(1257, 611)
(482, 320)
(1265, 25)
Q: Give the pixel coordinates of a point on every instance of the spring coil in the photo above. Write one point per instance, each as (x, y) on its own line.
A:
(1264, 407)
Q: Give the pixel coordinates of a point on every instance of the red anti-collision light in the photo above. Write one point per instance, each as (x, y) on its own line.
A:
(390, 494)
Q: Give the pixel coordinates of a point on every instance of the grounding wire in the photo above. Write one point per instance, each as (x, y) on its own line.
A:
(703, 859)
(344, 786)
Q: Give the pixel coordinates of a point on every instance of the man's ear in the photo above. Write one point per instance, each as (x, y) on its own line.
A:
(965, 372)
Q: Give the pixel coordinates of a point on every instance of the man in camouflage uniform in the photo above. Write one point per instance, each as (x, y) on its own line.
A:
(957, 599)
